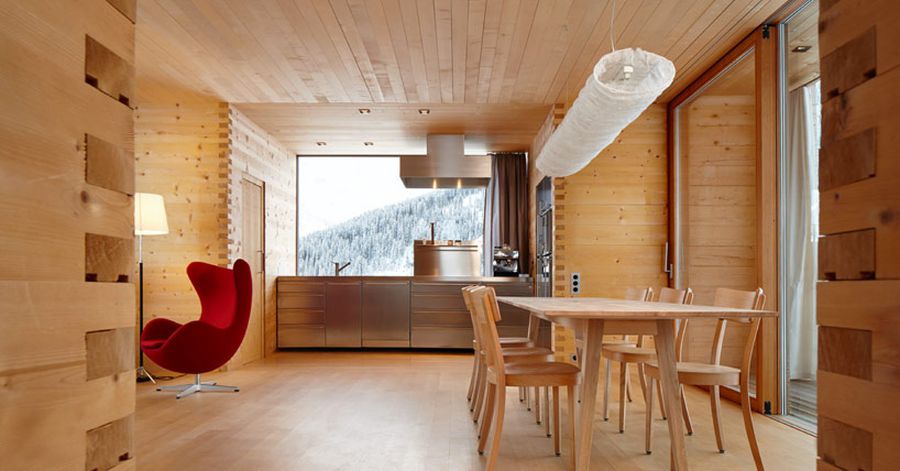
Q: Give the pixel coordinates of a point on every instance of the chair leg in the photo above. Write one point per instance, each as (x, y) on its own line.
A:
(748, 425)
(606, 390)
(623, 370)
(537, 405)
(642, 380)
(648, 419)
(473, 378)
(490, 393)
(662, 408)
(521, 394)
(185, 390)
(570, 393)
(547, 411)
(528, 399)
(555, 420)
(623, 388)
(480, 392)
(685, 413)
(716, 418)
(499, 411)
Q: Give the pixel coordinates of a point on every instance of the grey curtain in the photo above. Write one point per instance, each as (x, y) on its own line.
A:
(506, 209)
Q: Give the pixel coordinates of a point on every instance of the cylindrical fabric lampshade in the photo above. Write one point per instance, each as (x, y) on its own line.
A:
(624, 83)
(150, 214)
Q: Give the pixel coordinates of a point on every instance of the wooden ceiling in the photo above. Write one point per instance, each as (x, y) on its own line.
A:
(418, 51)
(803, 30)
(393, 128)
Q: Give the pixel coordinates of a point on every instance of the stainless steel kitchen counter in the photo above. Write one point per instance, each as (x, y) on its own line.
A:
(387, 311)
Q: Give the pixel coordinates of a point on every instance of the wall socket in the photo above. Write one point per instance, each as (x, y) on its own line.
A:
(575, 282)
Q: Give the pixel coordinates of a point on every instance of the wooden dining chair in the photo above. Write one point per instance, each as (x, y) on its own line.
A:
(502, 374)
(516, 349)
(625, 354)
(714, 374)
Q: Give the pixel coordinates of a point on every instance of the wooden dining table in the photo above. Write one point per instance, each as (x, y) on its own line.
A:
(596, 317)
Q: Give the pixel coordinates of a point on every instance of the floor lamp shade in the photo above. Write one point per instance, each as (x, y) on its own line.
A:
(150, 214)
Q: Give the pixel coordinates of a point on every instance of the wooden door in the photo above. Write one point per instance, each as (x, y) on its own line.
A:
(723, 184)
(253, 251)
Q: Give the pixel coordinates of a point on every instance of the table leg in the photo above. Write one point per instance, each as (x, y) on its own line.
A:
(593, 344)
(668, 379)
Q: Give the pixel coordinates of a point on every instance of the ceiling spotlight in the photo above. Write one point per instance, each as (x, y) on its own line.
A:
(364, 111)
(321, 143)
(801, 48)
(424, 111)
(368, 143)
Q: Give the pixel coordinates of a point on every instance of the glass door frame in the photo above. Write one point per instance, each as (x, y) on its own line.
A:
(764, 44)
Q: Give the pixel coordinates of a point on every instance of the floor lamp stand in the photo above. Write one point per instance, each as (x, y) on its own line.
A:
(142, 375)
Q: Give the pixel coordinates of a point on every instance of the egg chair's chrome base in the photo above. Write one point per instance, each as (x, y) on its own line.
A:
(185, 390)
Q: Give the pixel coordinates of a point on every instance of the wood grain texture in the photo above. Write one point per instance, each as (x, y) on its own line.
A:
(848, 160)
(46, 207)
(108, 72)
(181, 153)
(108, 259)
(859, 384)
(108, 166)
(432, 51)
(110, 444)
(255, 153)
(847, 256)
(109, 352)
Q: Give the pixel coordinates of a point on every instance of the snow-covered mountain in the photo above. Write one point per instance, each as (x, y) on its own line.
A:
(380, 242)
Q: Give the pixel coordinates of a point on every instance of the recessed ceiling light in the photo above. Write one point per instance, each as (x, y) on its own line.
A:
(803, 48)
(321, 143)
(364, 111)
(424, 111)
(368, 143)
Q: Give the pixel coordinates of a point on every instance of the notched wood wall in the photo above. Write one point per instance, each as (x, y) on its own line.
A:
(858, 304)
(66, 223)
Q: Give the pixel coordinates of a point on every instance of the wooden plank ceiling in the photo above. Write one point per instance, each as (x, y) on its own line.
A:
(459, 52)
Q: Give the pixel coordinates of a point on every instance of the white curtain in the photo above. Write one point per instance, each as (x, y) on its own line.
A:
(801, 225)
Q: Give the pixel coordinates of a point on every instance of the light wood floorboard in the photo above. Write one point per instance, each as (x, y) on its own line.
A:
(406, 411)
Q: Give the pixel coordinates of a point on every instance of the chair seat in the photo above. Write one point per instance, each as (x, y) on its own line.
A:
(700, 374)
(152, 344)
(550, 373)
(629, 354)
(515, 342)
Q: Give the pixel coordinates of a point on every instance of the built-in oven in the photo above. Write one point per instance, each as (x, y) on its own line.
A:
(544, 239)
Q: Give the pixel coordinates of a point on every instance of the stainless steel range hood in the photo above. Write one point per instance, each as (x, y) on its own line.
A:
(445, 165)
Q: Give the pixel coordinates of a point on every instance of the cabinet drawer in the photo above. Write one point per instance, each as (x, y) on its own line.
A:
(442, 337)
(301, 316)
(301, 287)
(300, 301)
(460, 319)
(300, 336)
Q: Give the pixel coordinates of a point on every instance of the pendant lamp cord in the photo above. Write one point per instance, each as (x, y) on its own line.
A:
(612, 22)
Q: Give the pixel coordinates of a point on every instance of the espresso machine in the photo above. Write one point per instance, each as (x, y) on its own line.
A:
(506, 261)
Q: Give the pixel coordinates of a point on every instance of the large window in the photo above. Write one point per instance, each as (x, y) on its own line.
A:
(356, 209)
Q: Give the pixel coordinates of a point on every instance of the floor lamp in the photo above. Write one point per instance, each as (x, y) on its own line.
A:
(149, 220)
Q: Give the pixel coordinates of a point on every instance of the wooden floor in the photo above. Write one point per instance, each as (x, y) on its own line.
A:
(405, 411)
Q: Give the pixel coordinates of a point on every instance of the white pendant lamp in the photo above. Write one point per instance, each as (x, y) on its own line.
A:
(624, 83)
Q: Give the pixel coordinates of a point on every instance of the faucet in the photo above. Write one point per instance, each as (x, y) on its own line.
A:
(432, 233)
(338, 268)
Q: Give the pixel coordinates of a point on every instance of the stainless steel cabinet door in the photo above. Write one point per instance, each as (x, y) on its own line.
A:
(343, 309)
(385, 314)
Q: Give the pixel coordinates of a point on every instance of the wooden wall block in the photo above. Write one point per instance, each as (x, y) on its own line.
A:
(847, 256)
(109, 352)
(107, 259)
(844, 446)
(108, 166)
(110, 444)
(849, 65)
(125, 7)
(108, 72)
(846, 351)
(848, 160)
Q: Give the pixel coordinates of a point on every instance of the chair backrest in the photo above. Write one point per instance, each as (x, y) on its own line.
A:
(677, 296)
(737, 299)
(638, 294)
(484, 301)
(226, 297)
(467, 297)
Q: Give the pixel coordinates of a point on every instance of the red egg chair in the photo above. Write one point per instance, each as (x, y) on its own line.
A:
(208, 343)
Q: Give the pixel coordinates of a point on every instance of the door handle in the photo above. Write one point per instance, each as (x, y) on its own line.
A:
(667, 267)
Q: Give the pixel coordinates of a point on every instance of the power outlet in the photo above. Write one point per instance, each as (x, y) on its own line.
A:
(575, 283)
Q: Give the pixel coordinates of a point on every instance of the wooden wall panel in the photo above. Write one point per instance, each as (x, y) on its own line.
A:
(182, 154)
(255, 153)
(53, 391)
(859, 385)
